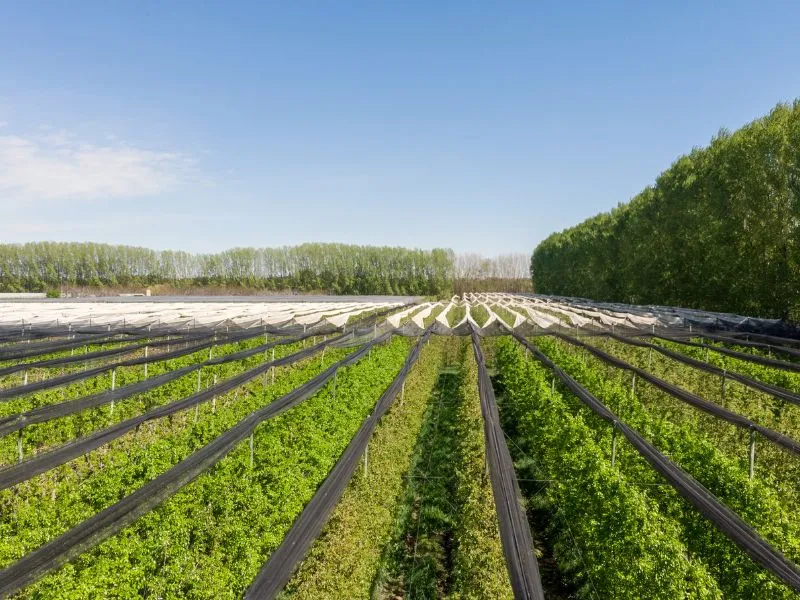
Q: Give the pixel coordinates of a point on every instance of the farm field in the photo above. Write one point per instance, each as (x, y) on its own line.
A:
(481, 446)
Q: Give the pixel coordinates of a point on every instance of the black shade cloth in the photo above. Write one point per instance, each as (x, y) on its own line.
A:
(515, 533)
(282, 563)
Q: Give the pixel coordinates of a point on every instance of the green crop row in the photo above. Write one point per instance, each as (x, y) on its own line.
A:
(608, 537)
(479, 314)
(42, 436)
(687, 445)
(344, 560)
(36, 510)
(446, 540)
(210, 539)
(774, 467)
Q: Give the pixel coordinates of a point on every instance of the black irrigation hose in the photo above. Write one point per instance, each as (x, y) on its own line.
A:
(277, 571)
(745, 343)
(722, 517)
(712, 408)
(773, 390)
(45, 461)
(754, 358)
(54, 382)
(515, 533)
(18, 421)
(27, 350)
(771, 340)
(78, 358)
(152, 342)
(113, 519)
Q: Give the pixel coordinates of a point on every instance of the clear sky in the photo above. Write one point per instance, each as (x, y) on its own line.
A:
(480, 126)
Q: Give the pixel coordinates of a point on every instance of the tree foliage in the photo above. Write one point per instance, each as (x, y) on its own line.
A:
(332, 268)
(718, 230)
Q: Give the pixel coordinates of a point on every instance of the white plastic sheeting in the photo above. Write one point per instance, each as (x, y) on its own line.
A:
(188, 314)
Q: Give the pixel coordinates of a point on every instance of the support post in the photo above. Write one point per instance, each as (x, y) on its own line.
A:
(706, 353)
(752, 452)
(214, 398)
(322, 360)
(403, 394)
(553, 385)
(25, 378)
(633, 384)
(198, 379)
(145, 364)
(366, 458)
(724, 374)
(273, 366)
(113, 379)
(649, 357)
(335, 377)
(613, 444)
(252, 433)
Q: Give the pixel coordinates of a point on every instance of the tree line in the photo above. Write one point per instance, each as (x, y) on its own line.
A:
(718, 230)
(331, 268)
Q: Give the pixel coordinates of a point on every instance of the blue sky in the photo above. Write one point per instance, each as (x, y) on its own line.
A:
(477, 126)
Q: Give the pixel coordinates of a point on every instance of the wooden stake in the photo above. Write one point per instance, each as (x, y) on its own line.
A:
(752, 452)
(19, 446)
